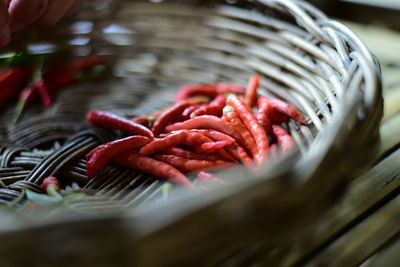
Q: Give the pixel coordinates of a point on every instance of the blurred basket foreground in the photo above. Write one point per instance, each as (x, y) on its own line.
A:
(312, 62)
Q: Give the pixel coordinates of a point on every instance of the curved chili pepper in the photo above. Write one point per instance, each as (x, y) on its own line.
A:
(186, 114)
(263, 114)
(154, 167)
(103, 154)
(191, 165)
(210, 147)
(213, 108)
(50, 181)
(281, 111)
(207, 90)
(251, 90)
(11, 80)
(250, 121)
(176, 151)
(284, 139)
(239, 152)
(109, 120)
(171, 115)
(183, 137)
(208, 122)
(209, 178)
(249, 143)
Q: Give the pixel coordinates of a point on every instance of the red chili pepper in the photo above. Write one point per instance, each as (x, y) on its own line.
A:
(281, 111)
(209, 178)
(109, 120)
(251, 123)
(213, 108)
(50, 185)
(176, 151)
(155, 167)
(210, 147)
(263, 113)
(191, 165)
(207, 122)
(171, 115)
(285, 141)
(216, 135)
(207, 90)
(251, 90)
(103, 154)
(188, 111)
(249, 143)
(239, 152)
(11, 81)
(183, 137)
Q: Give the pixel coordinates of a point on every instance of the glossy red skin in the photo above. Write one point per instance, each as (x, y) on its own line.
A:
(251, 90)
(257, 131)
(48, 181)
(284, 139)
(154, 167)
(102, 155)
(211, 90)
(109, 120)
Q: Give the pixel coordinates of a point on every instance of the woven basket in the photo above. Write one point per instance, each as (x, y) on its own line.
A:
(316, 64)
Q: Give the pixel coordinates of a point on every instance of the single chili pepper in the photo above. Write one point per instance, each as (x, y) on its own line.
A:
(216, 135)
(171, 115)
(183, 137)
(251, 90)
(239, 152)
(103, 154)
(109, 120)
(285, 141)
(263, 113)
(142, 120)
(210, 147)
(213, 108)
(209, 178)
(51, 186)
(11, 81)
(154, 167)
(281, 111)
(235, 121)
(207, 90)
(208, 122)
(177, 151)
(192, 165)
(249, 120)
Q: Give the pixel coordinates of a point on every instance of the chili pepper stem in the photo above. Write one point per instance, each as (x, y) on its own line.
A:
(52, 190)
(18, 111)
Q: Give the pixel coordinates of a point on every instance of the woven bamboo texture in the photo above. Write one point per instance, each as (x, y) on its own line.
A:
(316, 64)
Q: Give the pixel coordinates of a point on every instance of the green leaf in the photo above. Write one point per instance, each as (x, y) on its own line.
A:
(42, 199)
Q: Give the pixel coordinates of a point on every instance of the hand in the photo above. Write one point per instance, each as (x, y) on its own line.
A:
(18, 15)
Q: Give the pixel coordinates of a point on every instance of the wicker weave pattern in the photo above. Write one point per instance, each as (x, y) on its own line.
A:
(316, 64)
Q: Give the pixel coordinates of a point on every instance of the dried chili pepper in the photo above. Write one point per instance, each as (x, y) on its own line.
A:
(233, 118)
(103, 154)
(183, 137)
(207, 90)
(251, 123)
(171, 115)
(176, 151)
(207, 122)
(239, 152)
(155, 167)
(213, 108)
(263, 113)
(210, 147)
(285, 141)
(251, 90)
(109, 120)
(279, 111)
(191, 165)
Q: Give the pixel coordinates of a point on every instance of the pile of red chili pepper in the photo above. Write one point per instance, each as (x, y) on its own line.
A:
(210, 127)
(28, 79)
